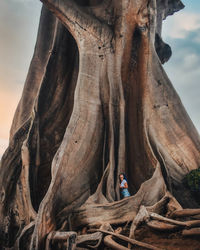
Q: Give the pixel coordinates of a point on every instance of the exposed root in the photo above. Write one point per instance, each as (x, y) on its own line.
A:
(185, 213)
(25, 234)
(109, 242)
(154, 216)
(150, 215)
(68, 239)
(164, 219)
(145, 214)
(195, 217)
(89, 240)
(193, 223)
(191, 232)
(160, 206)
(127, 239)
(161, 226)
(107, 227)
(142, 215)
(118, 230)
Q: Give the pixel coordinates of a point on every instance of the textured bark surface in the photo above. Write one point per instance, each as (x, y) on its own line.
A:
(97, 102)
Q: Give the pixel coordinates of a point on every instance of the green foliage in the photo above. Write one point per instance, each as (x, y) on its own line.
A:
(193, 180)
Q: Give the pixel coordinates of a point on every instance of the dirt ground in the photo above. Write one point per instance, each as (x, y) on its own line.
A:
(172, 241)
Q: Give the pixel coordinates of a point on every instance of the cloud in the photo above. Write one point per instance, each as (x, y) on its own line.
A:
(185, 54)
(190, 61)
(181, 23)
(183, 70)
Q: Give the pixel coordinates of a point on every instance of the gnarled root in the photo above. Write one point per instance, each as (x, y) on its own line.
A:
(109, 242)
(185, 213)
(68, 239)
(25, 236)
(89, 240)
(142, 215)
(191, 232)
(161, 226)
(108, 239)
(126, 239)
(92, 238)
(161, 223)
(162, 216)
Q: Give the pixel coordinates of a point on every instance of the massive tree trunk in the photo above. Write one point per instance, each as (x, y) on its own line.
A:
(96, 103)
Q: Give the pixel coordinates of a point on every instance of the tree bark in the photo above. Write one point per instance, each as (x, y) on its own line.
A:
(96, 103)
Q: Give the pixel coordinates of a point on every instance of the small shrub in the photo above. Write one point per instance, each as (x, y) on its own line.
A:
(193, 180)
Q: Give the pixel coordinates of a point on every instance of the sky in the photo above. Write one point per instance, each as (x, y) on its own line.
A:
(19, 21)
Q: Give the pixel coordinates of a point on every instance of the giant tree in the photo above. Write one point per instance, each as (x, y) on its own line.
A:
(97, 102)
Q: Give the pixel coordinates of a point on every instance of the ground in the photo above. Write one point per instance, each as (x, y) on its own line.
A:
(167, 240)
